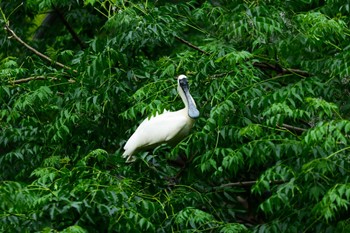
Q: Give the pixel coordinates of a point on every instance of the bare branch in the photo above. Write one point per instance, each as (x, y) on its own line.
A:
(13, 34)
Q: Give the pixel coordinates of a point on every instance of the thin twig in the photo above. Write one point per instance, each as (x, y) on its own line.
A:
(25, 80)
(248, 183)
(191, 45)
(214, 76)
(291, 127)
(13, 34)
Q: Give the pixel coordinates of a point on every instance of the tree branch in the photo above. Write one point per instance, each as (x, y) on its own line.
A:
(25, 80)
(281, 70)
(260, 65)
(214, 76)
(191, 45)
(291, 127)
(248, 183)
(13, 34)
(70, 29)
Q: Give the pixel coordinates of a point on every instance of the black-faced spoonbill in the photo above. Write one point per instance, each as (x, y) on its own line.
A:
(168, 127)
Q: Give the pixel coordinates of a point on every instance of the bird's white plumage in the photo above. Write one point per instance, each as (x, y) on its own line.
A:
(168, 127)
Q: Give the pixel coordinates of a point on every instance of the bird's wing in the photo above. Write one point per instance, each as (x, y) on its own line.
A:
(157, 130)
(171, 126)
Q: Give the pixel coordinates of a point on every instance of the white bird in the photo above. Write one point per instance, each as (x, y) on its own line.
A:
(168, 127)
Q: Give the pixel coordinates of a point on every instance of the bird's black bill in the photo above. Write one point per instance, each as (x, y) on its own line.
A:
(192, 109)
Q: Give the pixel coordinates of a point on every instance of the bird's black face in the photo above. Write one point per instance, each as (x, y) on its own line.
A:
(183, 83)
(192, 110)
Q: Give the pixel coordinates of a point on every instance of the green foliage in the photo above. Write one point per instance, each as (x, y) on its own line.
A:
(268, 154)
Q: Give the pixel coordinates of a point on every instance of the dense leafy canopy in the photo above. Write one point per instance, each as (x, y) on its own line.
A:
(269, 153)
